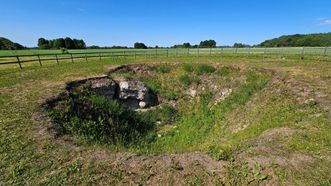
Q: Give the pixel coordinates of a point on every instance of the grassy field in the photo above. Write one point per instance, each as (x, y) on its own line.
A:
(274, 128)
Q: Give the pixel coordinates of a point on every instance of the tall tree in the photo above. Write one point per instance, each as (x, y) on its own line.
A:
(240, 45)
(208, 44)
(69, 43)
(187, 45)
(43, 43)
(79, 44)
(59, 43)
(138, 45)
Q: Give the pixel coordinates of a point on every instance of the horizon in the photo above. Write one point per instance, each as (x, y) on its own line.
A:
(162, 23)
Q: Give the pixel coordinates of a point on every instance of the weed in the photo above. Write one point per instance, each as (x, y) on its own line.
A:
(225, 71)
(205, 69)
(166, 114)
(163, 68)
(187, 80)
(176, 165)
(188, 67)
(219, 154)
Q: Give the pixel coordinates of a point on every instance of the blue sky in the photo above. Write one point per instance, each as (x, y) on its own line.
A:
(161, 22)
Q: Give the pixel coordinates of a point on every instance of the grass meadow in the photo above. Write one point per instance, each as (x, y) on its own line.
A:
(273, 129)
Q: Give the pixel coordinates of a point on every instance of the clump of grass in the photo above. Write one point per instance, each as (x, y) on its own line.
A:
(166, 114)
(153, 83)
(218, 154)
(205, 69)
(224, 71)
(164, 68)
(187, 80)
(188, 67)
(176, 165)
(170, 95)
(99, 119)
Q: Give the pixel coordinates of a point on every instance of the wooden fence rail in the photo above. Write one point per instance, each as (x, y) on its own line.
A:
(324, 52)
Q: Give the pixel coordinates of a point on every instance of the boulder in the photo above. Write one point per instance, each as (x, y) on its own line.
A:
(104, 86)
(136, 94)
(130, 93)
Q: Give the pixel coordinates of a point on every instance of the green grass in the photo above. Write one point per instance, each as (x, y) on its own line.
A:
(28, 155)
(187, 80)
(200, 119)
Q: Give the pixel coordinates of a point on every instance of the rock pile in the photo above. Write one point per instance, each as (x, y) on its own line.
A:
(130, 93)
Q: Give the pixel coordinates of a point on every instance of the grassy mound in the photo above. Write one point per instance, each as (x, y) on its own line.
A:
(192, 103)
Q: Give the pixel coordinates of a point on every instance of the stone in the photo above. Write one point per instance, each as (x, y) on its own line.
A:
(193, 92)
(132, 89)
(130, 93)
(142, 104)
(104, 86)
(136, 94)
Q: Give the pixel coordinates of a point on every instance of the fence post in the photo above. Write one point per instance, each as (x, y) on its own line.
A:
(221, 50)
(265, 51)
(86, 57)
(210, 51)
(156, 52)
(302, 52)
(324, 54)
(57, 59)
(99, 56)
(176, 52)
(249, 50)
(72, 59)
(198, 51)
(188, 51)
(39, 60)
(167, 52)
(236, 51)
(135, 55)
(19, 62)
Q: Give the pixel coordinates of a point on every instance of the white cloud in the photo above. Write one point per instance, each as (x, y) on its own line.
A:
(324, 21)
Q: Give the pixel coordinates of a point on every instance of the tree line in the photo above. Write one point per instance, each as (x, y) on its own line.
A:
(299, 40)
(6, 44)
(67, 43)
(203, 44)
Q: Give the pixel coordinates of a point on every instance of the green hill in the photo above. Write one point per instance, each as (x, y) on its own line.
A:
(299, 40)
(6, 44)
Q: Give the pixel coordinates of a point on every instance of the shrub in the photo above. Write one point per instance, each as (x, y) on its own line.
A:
(205, 69)
(64, 51)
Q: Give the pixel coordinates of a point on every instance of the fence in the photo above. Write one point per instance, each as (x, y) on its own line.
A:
(177, 52)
